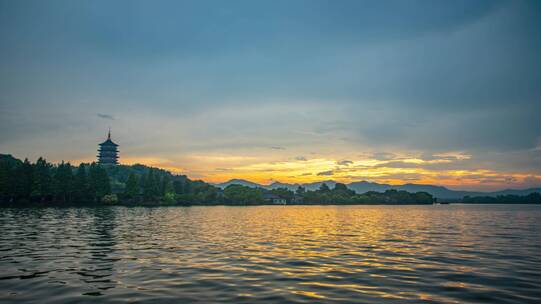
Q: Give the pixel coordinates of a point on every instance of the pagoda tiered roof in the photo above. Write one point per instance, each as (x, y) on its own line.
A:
(108, 152)
(108, 142)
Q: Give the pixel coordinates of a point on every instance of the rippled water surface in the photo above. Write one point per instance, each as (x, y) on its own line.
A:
(305, 254)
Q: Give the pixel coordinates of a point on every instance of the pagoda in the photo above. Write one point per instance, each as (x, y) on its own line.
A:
(108, 152)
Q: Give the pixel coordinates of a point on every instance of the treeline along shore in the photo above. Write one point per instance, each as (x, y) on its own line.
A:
(41, 183)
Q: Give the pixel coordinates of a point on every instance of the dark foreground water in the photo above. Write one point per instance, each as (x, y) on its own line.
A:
(287, 254)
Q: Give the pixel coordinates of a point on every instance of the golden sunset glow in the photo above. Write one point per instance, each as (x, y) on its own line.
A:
(400, 169)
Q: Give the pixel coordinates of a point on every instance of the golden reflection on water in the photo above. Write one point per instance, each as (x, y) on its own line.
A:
(305, 243)
(307, 254)
(311, 294)
(319, 235)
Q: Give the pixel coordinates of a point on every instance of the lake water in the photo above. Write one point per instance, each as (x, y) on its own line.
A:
(286, 254)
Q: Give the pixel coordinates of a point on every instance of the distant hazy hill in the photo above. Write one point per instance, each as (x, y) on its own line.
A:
(307, 186)
(364, 186)
(275, 185)
(241, 182)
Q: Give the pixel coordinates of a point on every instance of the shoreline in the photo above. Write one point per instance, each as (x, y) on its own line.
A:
(41, 206)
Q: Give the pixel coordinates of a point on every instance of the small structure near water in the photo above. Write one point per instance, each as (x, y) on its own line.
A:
(274, 199)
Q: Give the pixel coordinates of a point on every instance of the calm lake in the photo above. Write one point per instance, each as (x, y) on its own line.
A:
(287, 254)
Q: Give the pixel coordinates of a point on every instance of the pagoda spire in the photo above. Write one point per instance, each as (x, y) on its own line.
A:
(109, 134)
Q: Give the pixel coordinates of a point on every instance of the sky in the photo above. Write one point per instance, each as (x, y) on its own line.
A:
(434, 92)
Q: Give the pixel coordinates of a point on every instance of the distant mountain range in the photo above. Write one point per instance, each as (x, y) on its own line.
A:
(364, 186)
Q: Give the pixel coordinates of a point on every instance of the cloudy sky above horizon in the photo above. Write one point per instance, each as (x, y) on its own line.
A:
(440, 92)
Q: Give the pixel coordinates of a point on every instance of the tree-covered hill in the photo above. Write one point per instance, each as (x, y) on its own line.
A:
(43, 183)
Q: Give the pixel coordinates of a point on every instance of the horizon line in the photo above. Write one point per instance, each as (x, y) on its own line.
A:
(173, 172)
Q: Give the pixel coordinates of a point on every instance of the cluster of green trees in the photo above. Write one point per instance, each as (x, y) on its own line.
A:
(160, 187)
(41, 182)
(340, 194)
(242, 195)
(532, 198)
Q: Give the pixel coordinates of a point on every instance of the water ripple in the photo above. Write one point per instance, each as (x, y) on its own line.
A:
(293, 254)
